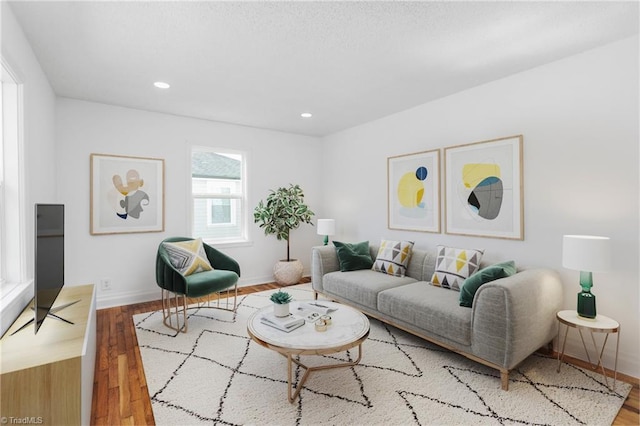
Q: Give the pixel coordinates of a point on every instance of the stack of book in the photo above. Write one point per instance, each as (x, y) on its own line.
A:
(287, 324)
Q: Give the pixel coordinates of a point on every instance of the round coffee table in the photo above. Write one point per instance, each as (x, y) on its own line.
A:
(348, 329)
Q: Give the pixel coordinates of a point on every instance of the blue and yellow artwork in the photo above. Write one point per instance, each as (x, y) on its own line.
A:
(483, 189)
(411, 192)
(487, 192)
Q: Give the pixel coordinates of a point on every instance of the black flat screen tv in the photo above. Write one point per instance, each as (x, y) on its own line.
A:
(49, 258)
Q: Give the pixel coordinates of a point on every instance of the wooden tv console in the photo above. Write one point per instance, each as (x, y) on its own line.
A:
(47, 378)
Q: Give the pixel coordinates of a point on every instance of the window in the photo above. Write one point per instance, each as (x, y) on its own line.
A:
(218, 188)
(14, 285)
(2, 268)
(220, 211)
(11, 217)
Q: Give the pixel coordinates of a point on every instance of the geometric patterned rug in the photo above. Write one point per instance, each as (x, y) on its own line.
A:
(215, 374)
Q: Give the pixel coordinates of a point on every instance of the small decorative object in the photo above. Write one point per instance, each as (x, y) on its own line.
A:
(321, 325)
(483, 189)
(326, 319)
(127, 194)
(413, 185)
(586, 254)
(281, 301)
(326, 227)
(284, 210)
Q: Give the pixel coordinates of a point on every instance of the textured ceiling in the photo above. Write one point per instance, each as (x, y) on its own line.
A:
(263, 63)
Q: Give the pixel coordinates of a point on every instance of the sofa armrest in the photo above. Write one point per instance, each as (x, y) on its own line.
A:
(515, 316)
(323, 261)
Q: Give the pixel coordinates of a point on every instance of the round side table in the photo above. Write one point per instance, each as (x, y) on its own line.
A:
(600, 324)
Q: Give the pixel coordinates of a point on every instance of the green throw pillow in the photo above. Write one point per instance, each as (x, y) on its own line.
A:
(353, 257)
(483, 276)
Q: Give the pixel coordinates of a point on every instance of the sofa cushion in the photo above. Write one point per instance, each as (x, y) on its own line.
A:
(454, 265)
(430, 308)
(353, 257)
(204, 283)
(361, 287)
(188, 257)
(483, 276)
(393, 257)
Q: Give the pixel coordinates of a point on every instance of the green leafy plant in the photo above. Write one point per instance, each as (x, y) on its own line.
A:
(284, 210)
(281, 297)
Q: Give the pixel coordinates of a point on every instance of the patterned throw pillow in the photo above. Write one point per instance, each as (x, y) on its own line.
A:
(188, 257)
(454, 265)
(393, 257)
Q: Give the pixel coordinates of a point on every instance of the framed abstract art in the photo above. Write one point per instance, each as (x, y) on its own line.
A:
(484, 193)
(413, 188)
(127, 194)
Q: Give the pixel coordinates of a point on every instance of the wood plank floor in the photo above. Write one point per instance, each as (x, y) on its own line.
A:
(120, 395)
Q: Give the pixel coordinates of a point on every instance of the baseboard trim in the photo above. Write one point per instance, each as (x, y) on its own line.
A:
(111, 300)
(635, 381)
(129, 298)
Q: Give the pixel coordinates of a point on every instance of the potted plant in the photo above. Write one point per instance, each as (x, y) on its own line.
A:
(281, 301)
(283, 211)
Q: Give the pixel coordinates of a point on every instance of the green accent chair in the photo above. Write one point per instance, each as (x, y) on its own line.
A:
(221, 281)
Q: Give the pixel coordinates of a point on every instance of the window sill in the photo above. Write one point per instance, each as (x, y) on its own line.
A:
(229, 244)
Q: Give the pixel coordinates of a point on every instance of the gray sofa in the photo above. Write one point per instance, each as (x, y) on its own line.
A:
(510, 319)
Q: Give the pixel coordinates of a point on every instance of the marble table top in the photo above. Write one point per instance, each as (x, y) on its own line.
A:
(347, 326)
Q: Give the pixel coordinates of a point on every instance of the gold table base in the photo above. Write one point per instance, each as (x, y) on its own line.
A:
(309, 370)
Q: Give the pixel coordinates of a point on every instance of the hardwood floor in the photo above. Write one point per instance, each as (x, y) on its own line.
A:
(120, 395)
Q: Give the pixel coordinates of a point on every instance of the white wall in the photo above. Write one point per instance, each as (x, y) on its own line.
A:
(579, 118)
(275, 159)
(38, 145)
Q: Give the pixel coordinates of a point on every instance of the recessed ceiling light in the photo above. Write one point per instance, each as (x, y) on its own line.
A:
(306, 115)
(161, 85)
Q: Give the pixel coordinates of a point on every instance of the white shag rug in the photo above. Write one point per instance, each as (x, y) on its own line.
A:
(215, 374)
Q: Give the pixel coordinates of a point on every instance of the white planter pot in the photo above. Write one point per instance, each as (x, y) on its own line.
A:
(281, 309)
(287, 273)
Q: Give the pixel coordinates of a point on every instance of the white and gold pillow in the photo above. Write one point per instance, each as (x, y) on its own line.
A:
(454, 265)
(188, 257)
(393, 257)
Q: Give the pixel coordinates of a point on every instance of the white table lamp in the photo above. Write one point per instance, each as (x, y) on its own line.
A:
(326, 227)
(587, 254)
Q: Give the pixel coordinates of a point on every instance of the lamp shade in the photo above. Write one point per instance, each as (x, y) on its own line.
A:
(326, 226)
(586, 253)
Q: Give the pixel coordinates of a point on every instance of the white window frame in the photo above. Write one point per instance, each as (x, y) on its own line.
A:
(15, 285)
(244, 238)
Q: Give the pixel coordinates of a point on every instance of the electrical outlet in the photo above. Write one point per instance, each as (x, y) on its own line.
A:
(105, 284)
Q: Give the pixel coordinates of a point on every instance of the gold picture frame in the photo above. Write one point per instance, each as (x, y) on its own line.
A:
(127, 194)
(484, 190)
